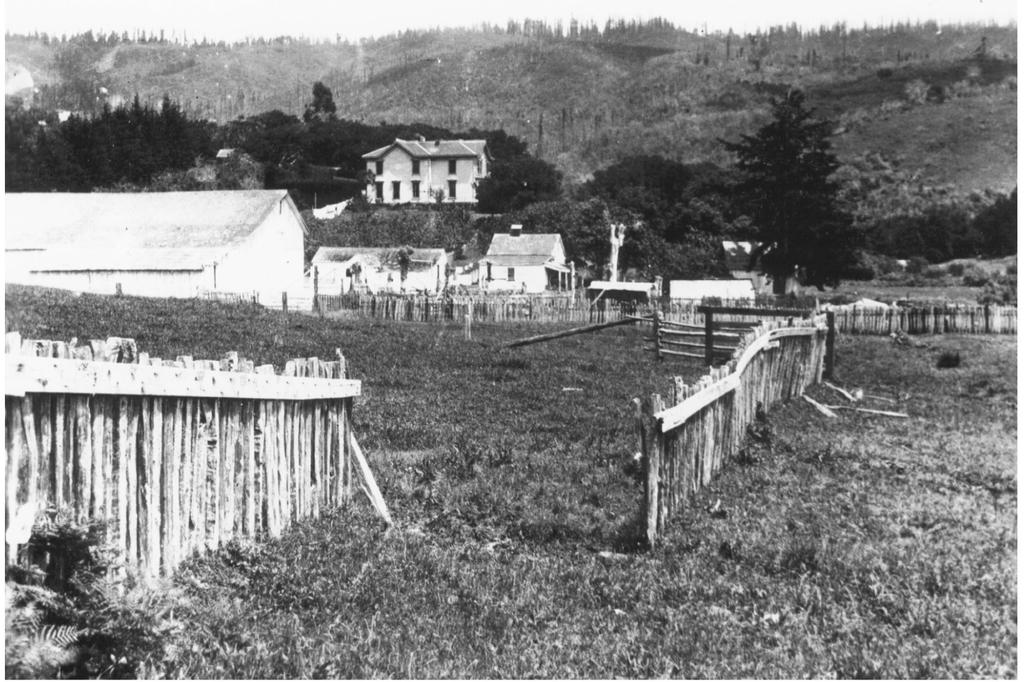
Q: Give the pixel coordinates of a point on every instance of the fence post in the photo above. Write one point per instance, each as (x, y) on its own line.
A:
(830, 346)
(709, 330)
(284, 302)
(656, 326)
(469, 323)
(652, 443)
(988, 327)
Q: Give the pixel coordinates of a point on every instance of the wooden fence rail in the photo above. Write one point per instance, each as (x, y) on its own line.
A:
(685, 444)
(176, 456)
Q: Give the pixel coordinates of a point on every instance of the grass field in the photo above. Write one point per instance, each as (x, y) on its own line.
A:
(861, 546)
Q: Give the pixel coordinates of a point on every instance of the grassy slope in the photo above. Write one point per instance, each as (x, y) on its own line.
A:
(860, 546)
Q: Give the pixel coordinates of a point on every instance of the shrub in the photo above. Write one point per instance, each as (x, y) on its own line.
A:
(975, 276)
(916, 265)
(948, 359)
(956, 269)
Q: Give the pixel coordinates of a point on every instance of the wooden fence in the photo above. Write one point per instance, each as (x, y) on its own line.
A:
(685, 444)
(974, 319)
(175, 456)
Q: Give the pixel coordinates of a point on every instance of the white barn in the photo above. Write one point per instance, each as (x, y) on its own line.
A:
(527, 263)
(174, 244)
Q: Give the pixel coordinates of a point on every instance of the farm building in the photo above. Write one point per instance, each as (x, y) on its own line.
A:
(341, 269)
(636, 292)
(421, 171)
(527, 263)
(723, 289)
(175, 244)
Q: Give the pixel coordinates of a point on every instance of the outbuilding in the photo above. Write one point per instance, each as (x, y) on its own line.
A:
(176, 244)
(525, 263)
(340, 269)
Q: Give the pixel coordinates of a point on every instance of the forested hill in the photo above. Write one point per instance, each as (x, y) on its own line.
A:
(938, 102)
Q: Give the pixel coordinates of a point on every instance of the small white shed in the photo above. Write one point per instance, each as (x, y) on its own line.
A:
(699, 289)
(339, 269)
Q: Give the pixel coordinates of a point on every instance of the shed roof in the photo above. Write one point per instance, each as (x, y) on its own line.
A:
(433, 149)
(379, 256)
(504, 244)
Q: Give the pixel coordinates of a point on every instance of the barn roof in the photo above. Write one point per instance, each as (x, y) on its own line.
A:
(433, 149)
(117, 230)
(504, 244)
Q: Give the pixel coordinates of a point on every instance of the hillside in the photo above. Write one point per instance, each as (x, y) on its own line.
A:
(586, 100)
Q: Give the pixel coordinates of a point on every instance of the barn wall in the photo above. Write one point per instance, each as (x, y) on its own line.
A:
(174, 284)
(269, 261)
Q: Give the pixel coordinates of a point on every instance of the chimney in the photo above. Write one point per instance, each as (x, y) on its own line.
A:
(437, 143)
(515, 230)
(420, 138)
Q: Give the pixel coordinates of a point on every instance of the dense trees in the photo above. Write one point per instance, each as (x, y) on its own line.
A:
(518, 182)
(792, 199)
(126, 145)
(322, 107)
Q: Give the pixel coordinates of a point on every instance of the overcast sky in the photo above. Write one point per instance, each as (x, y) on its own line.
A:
(234, 19)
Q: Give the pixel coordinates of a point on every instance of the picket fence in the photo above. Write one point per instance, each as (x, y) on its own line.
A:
(972, 319)
(684, 445)
(174, 456)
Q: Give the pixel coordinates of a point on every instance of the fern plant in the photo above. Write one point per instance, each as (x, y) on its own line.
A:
(33, 646)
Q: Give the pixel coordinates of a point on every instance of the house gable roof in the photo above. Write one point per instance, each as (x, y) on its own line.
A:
(136, 231)
(433, 149)
(504, 244)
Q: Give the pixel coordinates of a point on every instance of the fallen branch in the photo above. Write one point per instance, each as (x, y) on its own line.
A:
(842, 391)
(824, 409)
(577, 330)
(882, 398)
(884, 413)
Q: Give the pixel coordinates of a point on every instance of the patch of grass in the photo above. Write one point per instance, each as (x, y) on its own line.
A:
(861, 546)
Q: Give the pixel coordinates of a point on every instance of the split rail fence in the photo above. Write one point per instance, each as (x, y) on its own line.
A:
(176, 456)
(684, 445)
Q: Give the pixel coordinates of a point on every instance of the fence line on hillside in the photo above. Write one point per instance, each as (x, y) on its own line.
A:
(177, 455)
(684, 445)
(959, 319)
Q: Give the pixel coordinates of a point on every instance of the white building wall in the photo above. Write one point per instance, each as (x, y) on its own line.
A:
(269, 261)
(433, 177)
(530, 278)
(170, 284)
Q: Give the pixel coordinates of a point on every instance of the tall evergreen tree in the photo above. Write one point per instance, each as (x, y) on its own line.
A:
(793, 201)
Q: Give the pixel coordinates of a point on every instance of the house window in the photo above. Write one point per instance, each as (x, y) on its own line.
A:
(415, 189)
(451, 166)
(415, 166)
(451, 189)
(511, 274)
(396, 190)
(380, 190)
(379, 167)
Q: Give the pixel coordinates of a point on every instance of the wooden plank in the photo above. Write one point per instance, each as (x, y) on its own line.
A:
(98, 490)
(121, 458)
(131, 455)
(46, 481)
(62, 467)
(83, 458)
(31, 483)
(569, 332)
(13, 429)
(376, 499)
(109, 480)
(154, 513)
(51, 375)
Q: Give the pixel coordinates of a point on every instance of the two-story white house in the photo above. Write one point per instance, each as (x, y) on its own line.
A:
(421, 171)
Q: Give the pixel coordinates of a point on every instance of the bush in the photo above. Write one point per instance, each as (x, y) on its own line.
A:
(916, 265)
(956, 269)
(975, 276)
